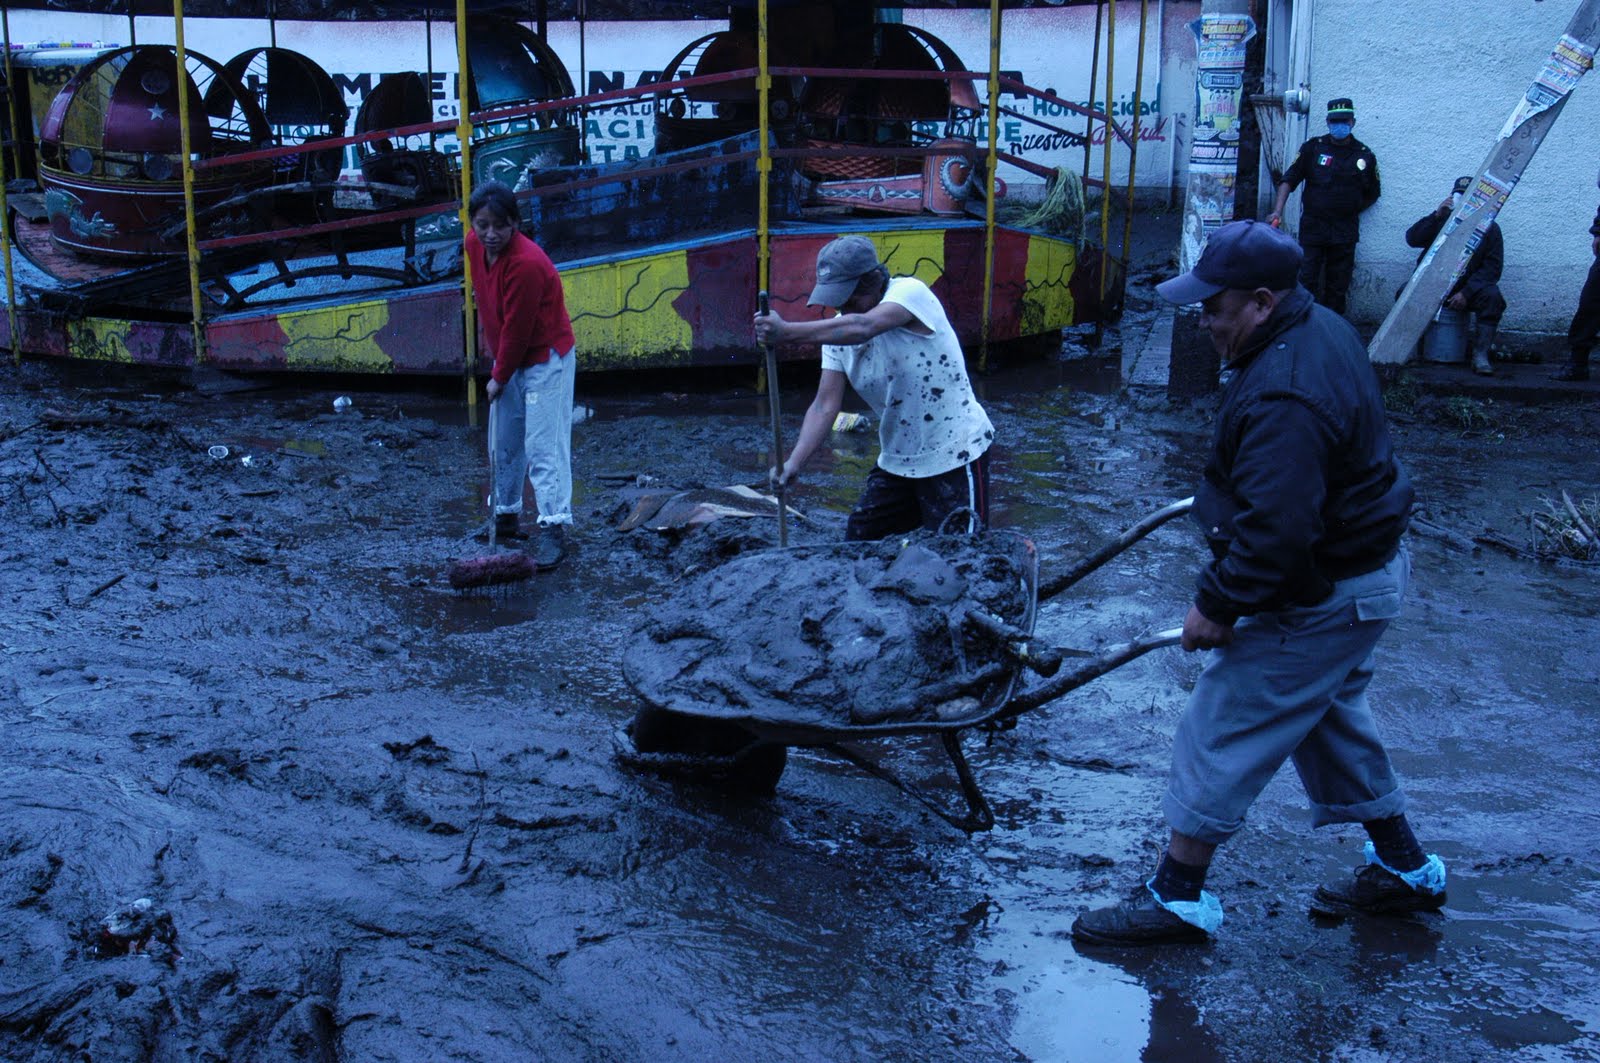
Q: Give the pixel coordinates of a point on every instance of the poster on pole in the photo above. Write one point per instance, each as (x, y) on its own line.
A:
(1220, 42)
(1569, 61)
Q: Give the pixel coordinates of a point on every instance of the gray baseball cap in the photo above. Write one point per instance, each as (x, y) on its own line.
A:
(840, 265)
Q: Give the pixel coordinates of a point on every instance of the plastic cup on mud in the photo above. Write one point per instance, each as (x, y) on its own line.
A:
(342, 403)
(851, 422)
(217, 452)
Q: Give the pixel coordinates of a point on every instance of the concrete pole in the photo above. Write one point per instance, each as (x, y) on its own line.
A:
(1221, 33)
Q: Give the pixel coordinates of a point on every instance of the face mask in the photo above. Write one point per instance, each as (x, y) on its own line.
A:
(1340, 130)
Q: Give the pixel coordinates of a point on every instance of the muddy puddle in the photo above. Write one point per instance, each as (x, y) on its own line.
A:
(387, 821)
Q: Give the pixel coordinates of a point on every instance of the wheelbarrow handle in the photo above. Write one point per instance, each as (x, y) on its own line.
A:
(1050, 588)
(1115, 657)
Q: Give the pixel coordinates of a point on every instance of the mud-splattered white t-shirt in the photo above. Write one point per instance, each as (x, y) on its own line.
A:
(929, 422)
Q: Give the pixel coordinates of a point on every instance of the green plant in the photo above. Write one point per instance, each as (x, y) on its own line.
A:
(1400, 395)
(1467, 413)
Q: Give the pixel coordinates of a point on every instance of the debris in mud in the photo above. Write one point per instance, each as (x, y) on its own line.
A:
(1567, 529)
(138, 928)
(673, 509)
(424, 750)
(833, 635)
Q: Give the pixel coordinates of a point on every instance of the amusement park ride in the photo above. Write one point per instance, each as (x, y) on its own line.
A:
(165, 208)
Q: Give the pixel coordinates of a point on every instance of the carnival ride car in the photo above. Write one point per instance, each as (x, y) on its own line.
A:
(206, 225)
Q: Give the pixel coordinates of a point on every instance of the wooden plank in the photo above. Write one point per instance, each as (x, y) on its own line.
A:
(1513, 150)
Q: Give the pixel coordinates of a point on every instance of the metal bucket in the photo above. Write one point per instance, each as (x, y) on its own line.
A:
(1446, 338)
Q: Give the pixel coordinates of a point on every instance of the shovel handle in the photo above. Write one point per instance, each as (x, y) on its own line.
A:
(764, 306)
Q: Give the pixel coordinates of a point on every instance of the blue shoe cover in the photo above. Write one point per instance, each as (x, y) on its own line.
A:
(1429, 878)
(1206, 913)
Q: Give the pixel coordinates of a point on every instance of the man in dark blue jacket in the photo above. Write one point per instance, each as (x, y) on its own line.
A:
(1478, 290)
(1341, 178)
(1304, 507)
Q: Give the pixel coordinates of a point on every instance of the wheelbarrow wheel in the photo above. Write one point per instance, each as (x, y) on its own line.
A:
(719, 754)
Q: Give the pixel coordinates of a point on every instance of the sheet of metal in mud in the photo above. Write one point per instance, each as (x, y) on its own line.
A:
(814, 644)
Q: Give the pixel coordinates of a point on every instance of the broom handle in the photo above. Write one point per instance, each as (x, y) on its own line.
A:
(773, 403)
(492, 518)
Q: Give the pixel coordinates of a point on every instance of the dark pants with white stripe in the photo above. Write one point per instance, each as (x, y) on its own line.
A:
(890, 504)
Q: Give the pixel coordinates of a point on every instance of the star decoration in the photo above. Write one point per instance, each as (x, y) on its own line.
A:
(157, 112)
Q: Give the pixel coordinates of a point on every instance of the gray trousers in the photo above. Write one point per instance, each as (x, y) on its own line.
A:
(1291, 685)
(532, 434)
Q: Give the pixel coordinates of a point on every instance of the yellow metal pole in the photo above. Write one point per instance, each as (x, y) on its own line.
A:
(11, 287)
(469, 317)
(11, 97)
(1133, 147)
(993, 162)
(1094, 78)
(1105, 180)
(764, 152)
(764, 198)
(5, 211)
(197, 321)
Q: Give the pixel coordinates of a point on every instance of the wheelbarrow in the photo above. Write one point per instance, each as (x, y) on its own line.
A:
(818, 646)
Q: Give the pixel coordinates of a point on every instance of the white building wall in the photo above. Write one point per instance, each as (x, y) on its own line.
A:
(1433, 82)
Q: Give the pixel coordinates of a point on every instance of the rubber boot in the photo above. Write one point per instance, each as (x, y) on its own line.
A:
(505, 526)
(1482, 338)
(550, 547)
(1577, 367)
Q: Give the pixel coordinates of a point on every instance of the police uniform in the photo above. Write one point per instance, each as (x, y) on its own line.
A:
(1341, 181)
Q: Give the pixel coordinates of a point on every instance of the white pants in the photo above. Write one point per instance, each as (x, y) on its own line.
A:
(531, 434)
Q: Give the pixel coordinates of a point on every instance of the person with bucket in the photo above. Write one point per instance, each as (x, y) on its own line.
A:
(1305, 509)
(1478, 290)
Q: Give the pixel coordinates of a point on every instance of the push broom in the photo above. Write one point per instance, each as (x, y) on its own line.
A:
(496, 567)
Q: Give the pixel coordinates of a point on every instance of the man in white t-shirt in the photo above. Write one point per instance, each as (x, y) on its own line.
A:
(892, 341)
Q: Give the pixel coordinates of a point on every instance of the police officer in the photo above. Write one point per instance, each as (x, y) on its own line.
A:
(1341, 178)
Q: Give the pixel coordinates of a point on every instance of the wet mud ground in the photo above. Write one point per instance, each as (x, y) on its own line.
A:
(388, 824)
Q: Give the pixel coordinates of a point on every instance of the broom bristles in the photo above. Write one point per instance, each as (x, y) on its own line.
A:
(490, 570)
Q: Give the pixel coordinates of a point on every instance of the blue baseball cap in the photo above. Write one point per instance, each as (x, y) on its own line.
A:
(1242, 254)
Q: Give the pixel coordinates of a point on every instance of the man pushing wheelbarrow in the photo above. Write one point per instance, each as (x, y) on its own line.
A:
(1304, 506)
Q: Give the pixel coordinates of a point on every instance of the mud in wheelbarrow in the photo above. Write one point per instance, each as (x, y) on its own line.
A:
(819, 646)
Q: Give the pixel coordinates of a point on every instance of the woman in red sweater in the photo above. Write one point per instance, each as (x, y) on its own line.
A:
(529, 335)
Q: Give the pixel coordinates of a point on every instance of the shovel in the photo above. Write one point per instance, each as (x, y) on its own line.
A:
(764, 306)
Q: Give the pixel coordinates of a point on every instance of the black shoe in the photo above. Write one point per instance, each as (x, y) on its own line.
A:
(1375, 891)
(1139, 920)
(505, 527)
(550, 547)
(1571, 372)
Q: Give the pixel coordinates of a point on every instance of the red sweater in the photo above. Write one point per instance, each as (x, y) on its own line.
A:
(520, 303)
